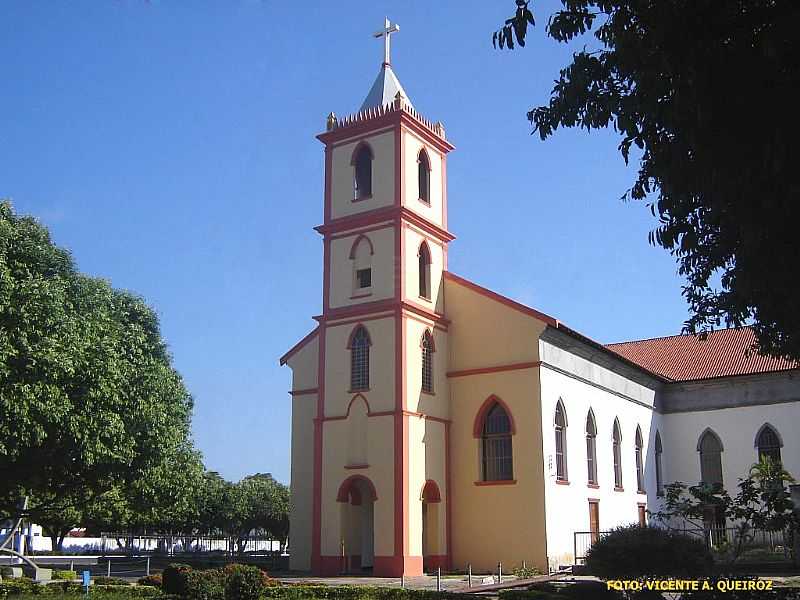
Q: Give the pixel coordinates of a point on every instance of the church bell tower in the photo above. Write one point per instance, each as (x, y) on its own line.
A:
(379, 498)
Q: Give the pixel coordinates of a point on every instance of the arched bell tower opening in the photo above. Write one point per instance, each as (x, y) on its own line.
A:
(357, 532)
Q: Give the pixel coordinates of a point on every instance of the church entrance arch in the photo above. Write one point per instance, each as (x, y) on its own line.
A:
(357, 534)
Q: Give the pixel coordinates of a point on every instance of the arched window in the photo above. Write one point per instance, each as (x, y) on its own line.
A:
(560, 425)
(639, 464)
(424, 176)
(496, 456)
(710, 448)
(591, 448)
(359, 359)
(362, 165)
(616, 438)
(361, 255)
(659, 472)
(424, 271)
(428, 349)
(769, 444)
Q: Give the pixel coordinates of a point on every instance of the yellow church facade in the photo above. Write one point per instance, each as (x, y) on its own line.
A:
(430, 415)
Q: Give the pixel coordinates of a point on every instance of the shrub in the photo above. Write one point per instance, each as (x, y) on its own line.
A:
(151, 580)
(101, 580)
(204, 585)
(63, 575)
(16, 587)
(245, 582)
(174, 579)
(348, 592)
(526, 572)
(635, 552)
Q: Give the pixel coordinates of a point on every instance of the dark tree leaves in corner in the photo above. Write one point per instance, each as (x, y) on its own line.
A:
(708, 91)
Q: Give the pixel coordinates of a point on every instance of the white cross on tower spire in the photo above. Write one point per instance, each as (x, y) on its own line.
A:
(388, 29)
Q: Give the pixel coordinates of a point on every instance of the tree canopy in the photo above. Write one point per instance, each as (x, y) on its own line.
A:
(707, 92)
(89, 399)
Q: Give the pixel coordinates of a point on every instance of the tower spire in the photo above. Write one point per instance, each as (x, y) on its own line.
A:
(386, 85)
(388, 29)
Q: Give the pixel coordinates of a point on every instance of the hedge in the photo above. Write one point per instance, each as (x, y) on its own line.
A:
(353, 592)
(15, 588)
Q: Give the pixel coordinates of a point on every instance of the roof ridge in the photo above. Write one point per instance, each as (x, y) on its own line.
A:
(676, 335)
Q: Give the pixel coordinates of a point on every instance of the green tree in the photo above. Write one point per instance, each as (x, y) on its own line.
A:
(257, 503)
(89, 400)
(707, 92)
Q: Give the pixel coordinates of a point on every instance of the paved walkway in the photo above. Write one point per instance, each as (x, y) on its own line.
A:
(425, 582)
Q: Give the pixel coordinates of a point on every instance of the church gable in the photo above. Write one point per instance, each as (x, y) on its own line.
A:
(484, 320)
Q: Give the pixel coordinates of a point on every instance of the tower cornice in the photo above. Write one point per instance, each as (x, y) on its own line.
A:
(399, 112)
(391, 215)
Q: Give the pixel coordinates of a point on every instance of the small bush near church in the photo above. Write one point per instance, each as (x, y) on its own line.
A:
(110, 581)
(174, 580)
(245, 582)
(204, 585)
(64, 575)
(635, 552)
(154, 580)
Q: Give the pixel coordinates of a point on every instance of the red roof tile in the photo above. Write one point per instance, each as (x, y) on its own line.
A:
(686, 357)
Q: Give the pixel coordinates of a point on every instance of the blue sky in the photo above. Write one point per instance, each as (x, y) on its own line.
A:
(170, 146)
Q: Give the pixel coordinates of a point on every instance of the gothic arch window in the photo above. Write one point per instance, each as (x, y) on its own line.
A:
(424, 176)
(560, 427)
(768, 443)
(638, 444)
(710, 447)
(496, 429)
(659, 468)
(424, 271)
(616, 439)
(428, 348)
(361, 256)
(359, 358)
(362, 171)
(591, 448)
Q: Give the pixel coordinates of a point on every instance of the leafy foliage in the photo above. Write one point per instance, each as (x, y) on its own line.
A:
(66, 575)
(245, 582)
(173, 578)
(706, 92)
(763, 502)
(636, 552)
(89, 399)
(154, 580)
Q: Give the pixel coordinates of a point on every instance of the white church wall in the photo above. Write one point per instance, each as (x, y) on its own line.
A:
(567, 504)
(737, 428)
(342, 175)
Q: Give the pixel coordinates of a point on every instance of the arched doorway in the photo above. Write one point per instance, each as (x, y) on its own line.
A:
(357, 497)
(431, 548)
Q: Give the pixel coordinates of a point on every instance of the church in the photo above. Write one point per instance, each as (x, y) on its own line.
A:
(436, 423)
